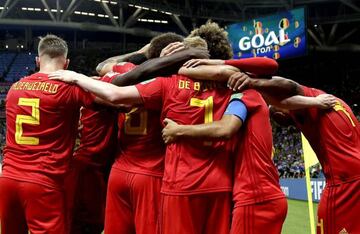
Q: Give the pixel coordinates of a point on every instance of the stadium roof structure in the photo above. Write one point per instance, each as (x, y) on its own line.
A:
(148, 18)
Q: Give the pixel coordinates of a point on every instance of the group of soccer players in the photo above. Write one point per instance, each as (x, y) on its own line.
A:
(189, 152)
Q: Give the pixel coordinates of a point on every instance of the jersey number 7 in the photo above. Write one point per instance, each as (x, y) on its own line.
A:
(208, 104)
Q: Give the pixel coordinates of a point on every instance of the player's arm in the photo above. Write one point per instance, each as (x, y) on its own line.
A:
(281, 92)
(277, 87)
(258, 66)
(206, 69)
(101, 103)
(108, 92)
(107, 65)
(209, 72)
(323, 101)
(163, 66)
(225, 128)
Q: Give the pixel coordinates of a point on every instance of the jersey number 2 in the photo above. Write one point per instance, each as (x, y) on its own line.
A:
(34, 119)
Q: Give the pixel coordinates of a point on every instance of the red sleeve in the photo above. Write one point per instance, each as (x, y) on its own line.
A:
(258, 65)
(123, 67)
(117, 70)
(108, 78)
(151, 93)
(82, 97)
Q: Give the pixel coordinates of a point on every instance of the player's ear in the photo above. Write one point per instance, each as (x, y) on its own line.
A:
(37, 61)
(66, 65)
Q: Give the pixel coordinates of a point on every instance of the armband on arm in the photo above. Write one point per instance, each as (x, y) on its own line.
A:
(237, 107)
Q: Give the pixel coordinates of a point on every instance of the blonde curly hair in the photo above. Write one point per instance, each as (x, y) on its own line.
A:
(195, 42)
(217, 40)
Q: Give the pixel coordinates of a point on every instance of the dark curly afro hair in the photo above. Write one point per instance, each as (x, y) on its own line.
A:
(217, 40)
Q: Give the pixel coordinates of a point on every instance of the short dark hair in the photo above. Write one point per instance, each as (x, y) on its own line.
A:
(216, 38)
(160, 42)
(53, 46)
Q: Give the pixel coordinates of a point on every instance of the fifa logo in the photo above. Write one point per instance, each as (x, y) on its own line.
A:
(259, 43)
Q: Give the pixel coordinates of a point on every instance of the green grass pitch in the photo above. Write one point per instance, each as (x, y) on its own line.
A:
(297, 219)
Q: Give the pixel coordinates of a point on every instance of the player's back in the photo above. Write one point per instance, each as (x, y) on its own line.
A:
(42, 117)
(192, 166)
(142, 149)
(98, 135)
(256, 178)
(334, 135)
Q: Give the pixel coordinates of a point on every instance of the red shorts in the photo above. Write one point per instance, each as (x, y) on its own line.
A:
(266, 217)
(132, 204)
(339, 209)
(85, 189)
(25, 205)
(196, 214)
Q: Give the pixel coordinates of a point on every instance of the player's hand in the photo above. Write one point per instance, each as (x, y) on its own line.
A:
(64, 75)
(326, 101)
(239, 81)
(172, 48)
(199, 53)
(169, 131)
(124, 108)
(197, 62)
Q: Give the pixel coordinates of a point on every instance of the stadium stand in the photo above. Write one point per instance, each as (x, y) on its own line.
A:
(22, 65)
(6, 58)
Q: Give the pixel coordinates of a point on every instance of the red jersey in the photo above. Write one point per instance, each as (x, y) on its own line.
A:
(42, 118)
(123, 67)
(334, 135)
(142, 149)
(98, 135)
(191, 166)
(256, 178)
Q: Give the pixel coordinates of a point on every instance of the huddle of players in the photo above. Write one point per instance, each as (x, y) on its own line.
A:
(194, 172)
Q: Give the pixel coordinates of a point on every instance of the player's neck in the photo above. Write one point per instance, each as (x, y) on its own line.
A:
(50, 67)
(48, 64)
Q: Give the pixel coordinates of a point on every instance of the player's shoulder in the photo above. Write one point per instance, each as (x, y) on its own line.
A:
(252, 93)
(310, 91)
(250, 97)
(178, 76)
(37, 76)
(176, 79)
(164, 79)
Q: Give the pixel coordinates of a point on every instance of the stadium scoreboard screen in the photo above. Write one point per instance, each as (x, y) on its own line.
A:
(276, 36)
